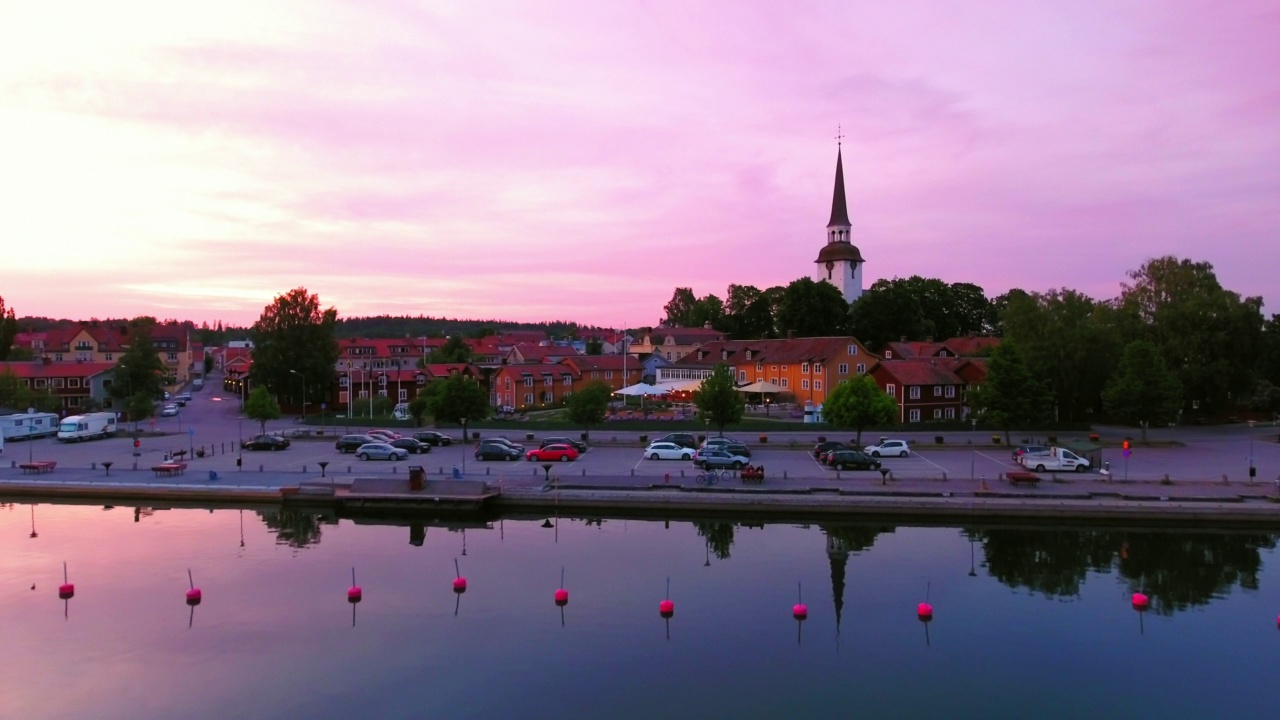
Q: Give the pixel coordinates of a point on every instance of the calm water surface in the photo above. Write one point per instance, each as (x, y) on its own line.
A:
(1029, 623)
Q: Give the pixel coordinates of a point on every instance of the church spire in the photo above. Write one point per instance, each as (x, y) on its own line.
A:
(839, 211)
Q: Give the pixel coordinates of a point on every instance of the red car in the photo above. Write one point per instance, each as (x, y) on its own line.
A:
(563, 453)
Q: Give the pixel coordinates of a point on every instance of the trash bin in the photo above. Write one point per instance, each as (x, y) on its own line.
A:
(457, 474)
(417, 476)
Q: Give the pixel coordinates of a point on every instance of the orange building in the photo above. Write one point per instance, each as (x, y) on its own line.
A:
(807, 368)
(616, 371)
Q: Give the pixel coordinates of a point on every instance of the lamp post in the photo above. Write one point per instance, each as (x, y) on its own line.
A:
(380, 376)
(464, 442)
(973, 448)
(304, 393)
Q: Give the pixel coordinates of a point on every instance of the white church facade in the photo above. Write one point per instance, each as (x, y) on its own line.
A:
(840, 262)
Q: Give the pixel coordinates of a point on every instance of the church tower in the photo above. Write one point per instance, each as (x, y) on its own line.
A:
(839, 262)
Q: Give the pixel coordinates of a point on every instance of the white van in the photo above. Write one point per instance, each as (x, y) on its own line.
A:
(1054, 459)
(401, 412)
(90, 426)
(28, 425)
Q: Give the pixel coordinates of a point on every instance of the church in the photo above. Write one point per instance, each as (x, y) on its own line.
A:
(840, 262)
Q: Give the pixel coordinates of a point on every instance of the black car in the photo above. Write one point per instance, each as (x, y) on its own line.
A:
(852, 460)
(413, 446)
(825, 447)
(575, 444)
(491, 450)
(433, 438)
(350, 443)
(681, 439)
(502, 441)
(265, 442)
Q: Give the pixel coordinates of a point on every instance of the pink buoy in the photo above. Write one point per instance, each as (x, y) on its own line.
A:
(66, 590)
(459, 582)
(924, 611)
(193, 595)
(562, 597)
(1140, 601)
(354, 593)
(800, 611)
(666, 608)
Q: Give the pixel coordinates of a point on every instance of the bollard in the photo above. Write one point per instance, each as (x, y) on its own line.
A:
(666, 478)
(259, 468)
(784, 474)
(944, 476)
(633, 472)
(486, 471)
(93, 466)
(584, 472)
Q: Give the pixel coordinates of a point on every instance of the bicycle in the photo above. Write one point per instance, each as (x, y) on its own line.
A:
(709, 477)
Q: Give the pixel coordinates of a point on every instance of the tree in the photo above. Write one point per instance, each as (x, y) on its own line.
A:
(140, 370)
(587, 406)
(454, 350)
(261, 406)
(748, 313)
(8, 330)
(418, 407)
(1011, 396)
(1143, 389)
(680, 308)
(456, 398)
(595, 346)
(294, 334)
(208, 364)
(885, 313)
(140, 406)
(719, 401)
(859, 403)
(812, 309)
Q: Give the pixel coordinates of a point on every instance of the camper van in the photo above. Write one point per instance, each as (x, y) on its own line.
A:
(90, 426)
(401, 412)
(28, 425)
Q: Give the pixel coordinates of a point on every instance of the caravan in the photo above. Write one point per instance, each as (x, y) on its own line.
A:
(90, 426)
(28, 425)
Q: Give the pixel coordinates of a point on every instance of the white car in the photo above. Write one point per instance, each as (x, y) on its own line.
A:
(169, 411)
(381, 451)
(888, 448)
(667, 451)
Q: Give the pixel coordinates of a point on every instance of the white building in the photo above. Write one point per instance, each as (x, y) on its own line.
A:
(840, 262)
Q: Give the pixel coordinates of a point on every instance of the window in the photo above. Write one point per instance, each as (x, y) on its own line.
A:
(862, 369)
(817, 384)
(608, 374)
(57, 357)
(742, 376)
(382, 380)
(759, 367)
(852, 349)
(937, 413)
(951, 391)
(817, 369)
(546, 396)
(914, 416)
(107, 357)
(422, 380)
(507, 383)
(888, 354)
(568, 381)
(74, 382)
(951, 413)
(784, 382)
(784, 368)
(382, 393)
(173, 357)
(40, 382)
(344, 381)
(528, 398)
(915, 392)
(73, 402)
(804, 384)
(57, 382)
(344, 397)
(403, 395)
(843, 368)
(937, 391)
(595, 374)
(804, 368)
(891, 390)
(774, 368)
(548, 380)
(528, 382)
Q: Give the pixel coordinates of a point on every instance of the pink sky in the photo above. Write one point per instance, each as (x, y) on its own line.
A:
(580, 160)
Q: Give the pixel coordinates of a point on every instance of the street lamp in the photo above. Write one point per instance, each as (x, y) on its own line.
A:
(464, 442)
(304, 393)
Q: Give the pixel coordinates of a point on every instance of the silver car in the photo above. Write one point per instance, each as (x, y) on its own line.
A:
(381, 451)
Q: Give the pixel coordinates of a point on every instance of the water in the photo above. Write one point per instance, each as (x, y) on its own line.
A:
(1042, 628)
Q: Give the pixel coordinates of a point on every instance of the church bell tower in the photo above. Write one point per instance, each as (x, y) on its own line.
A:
(840, 262)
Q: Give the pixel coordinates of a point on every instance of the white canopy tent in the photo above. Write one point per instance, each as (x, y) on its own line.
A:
(761, 386)
(643, 389)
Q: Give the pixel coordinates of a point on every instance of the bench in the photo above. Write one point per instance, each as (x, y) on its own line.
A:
(1016, 478)
(169, 469)
(754, 475)
(38, 467)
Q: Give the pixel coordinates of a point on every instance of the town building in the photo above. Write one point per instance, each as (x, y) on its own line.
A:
(76, 386)
(674, 343)
(98, 343)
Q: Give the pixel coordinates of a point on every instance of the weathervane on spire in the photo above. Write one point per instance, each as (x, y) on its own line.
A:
(839, 135)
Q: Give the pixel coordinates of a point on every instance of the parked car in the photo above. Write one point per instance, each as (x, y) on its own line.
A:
(416, 447)
(169, 411)
(183, 397)
(681, 439)
(729, 445)
(381, 451)
(824, 447)
(492, 450)
(265, 442)
(548, 453)
(853, 460)
(1029, 450)
(578, 445)
(719, 459)
(384, 435)
(888, 448)
(351, 443)
(668, 451)
(503, 441)
(433, 438)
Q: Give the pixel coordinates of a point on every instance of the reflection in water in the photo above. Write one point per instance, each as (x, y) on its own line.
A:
(293, 527)
(719, 536)
(1176, 570)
